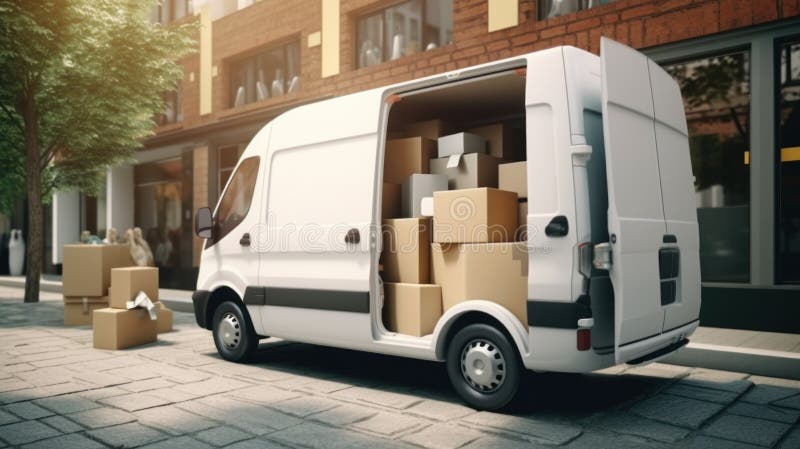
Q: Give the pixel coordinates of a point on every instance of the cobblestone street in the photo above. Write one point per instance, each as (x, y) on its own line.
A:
(58, 392)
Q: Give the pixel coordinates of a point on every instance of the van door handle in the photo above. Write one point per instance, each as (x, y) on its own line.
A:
(558, 227)
(352, 236)
(245, 240)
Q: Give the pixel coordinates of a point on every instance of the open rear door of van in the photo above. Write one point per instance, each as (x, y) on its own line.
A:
(652, 221)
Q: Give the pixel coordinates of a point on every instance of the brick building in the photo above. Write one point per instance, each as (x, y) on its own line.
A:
(737, 61)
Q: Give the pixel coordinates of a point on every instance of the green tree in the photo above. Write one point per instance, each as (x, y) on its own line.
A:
(80, 83)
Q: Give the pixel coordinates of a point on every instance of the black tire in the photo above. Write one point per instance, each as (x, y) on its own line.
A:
(233, 333)
(485, 342)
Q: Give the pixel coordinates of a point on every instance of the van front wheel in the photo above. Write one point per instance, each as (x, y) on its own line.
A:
(483, 367)
(233, 334)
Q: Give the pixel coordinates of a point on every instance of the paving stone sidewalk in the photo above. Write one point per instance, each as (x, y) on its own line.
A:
(56, 391)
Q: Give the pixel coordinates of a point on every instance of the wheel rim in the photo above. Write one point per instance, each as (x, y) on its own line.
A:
(483, 365)
(229, 331)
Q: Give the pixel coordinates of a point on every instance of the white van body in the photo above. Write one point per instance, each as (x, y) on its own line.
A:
(320, 175)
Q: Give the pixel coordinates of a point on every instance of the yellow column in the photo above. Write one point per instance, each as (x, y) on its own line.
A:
(330, 37)
(206, 74)
(503, 14)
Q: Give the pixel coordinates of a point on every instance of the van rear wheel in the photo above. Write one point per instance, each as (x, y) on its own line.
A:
(233, 333)
(483, 367)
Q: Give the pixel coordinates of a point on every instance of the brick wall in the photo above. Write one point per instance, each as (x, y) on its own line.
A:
(638, 23)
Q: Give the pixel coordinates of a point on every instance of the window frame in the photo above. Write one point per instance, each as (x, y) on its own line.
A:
(232, 65)
(380, 12)
(216, 234)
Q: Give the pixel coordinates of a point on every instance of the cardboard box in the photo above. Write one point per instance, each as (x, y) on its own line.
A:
(164, 321)
(127, 282)
(474, 216)
(514, 178)
(390, 202)
(522, 217)
(496, 272)
(411, 309)
(415, 188)
(406, 250)
(407, 156)
(87, 268)
(461, 143)
(473, 171)
(120, 329)
(502, 141)
(78, 310)
(430, 129)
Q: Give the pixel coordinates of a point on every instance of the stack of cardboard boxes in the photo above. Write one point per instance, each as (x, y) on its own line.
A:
(118, 327)
(86, 277)
(468, 246)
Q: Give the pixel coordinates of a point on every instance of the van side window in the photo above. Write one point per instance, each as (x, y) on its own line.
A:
(235, 202)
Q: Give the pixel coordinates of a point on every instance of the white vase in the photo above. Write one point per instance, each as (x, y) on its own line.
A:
(16, 252)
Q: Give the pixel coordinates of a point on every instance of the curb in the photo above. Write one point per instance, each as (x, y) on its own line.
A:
(760, 362)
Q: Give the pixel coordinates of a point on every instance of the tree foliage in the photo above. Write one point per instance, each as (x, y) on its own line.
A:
(97, 70)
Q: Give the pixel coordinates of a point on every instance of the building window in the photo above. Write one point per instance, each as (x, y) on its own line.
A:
(554, 8)
(267, 74)
(403, 29)
(173, 107)
(168, 10)
(788, 140)
(716, 94)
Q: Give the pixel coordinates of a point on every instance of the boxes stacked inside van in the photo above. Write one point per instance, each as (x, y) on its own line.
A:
(466, 243)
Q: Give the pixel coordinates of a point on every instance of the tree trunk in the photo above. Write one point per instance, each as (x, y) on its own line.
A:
(33, 186)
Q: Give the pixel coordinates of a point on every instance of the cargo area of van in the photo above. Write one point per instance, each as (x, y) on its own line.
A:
(464, 144)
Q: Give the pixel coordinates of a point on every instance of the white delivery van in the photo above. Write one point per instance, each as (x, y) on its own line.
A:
(292, 248)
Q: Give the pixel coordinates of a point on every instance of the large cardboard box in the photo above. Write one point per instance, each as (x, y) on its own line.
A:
(474, 216)
(411, 309)
(502, 141)
(514, 178)
(86, 269)
(473, 171)
(390, 202)
(415, 188)
(120, 329)
(78, 310)
(461, 143)
(522, 217)
(496, 272)
(407, 156)
(430, 129)
(127, 282)
(164, 321)
(406, 250)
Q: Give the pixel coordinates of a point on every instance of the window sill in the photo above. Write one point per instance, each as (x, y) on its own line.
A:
(405, 59)
(249, 107)
(161, 129)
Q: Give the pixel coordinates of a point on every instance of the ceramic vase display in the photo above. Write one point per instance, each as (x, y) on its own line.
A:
(16, 253)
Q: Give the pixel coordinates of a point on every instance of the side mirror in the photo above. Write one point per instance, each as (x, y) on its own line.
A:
(203, 223)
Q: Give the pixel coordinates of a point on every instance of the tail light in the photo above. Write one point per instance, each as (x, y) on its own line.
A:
(584, 339)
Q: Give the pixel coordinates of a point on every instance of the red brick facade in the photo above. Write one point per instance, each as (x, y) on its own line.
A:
(639, 23)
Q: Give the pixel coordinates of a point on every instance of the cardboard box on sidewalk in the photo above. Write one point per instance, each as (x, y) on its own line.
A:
(390, 200)
(120, 329)
(415, 188)
(407, 156)
(411, 309)
(513, 177)
(496, 272)
(430, 129)
(129, 281)
(164, 321)
(474, 216)
(78, 310)
(87, 268)
(406, 250)
(502, 141)
(473, 171)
